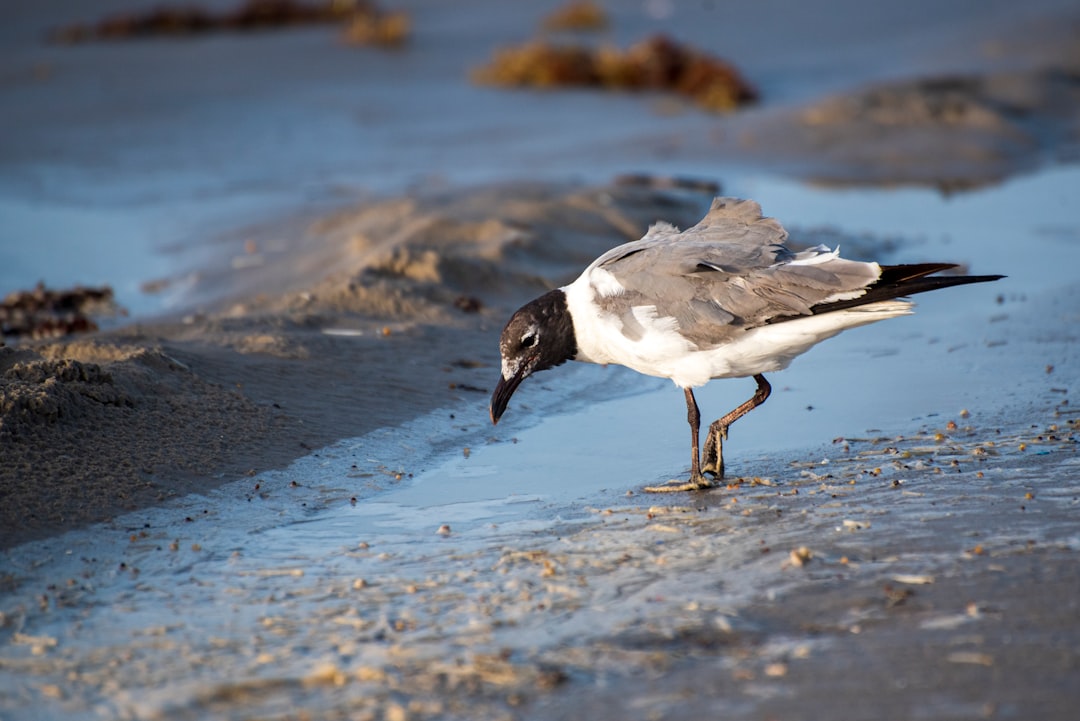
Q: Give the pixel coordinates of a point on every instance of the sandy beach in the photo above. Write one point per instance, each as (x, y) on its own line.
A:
(272, 490)
(151, 411)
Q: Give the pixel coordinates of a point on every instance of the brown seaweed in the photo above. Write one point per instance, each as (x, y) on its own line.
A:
(655, 64)
(577, 16)
(364, 21)
(47, 313)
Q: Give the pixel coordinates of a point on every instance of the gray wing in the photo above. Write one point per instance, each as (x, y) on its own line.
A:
(728, 273)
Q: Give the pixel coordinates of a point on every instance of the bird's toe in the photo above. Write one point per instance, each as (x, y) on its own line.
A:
(713, 467)
(712, 458)
(699, 483)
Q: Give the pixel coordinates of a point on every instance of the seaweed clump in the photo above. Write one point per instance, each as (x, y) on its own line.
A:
(386, 29)
(45, 313)
(577, 16)
(364, 21)
(655, 64)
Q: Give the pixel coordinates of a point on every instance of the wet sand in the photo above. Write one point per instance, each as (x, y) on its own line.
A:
(271, 469)
(935, 568)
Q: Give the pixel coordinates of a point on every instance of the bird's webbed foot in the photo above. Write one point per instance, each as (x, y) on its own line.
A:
(696, 483)
(713, 457)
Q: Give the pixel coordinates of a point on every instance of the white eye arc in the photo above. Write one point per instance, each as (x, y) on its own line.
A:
(528, 340)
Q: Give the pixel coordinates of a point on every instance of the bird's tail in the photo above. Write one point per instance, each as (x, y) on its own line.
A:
(898, 281)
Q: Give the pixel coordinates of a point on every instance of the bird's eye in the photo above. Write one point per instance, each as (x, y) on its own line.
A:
(528, 341)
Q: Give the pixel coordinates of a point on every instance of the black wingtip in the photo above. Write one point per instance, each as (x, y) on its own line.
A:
(899, 281)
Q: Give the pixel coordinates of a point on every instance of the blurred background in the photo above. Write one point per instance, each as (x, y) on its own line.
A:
(127, 148)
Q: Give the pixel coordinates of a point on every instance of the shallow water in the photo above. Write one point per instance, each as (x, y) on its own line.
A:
(395, 568)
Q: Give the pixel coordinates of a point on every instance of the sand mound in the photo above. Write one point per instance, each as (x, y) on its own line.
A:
(92, 437)
(417, 260)
(373, 316)
(952, 132)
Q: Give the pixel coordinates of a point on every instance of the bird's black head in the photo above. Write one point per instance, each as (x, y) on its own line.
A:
(540, 335)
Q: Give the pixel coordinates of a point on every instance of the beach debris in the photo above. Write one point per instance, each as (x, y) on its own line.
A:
(800, 556)
(46, 313)
(677, 182)
(466, 387)
(776, 670)
(896, 596)
(469, 363)
(444, 530)
(39, 645)
(577, 16)
(970, 657)
(663, 510)
(656, 64)
(468, 304)
(365, 22)
(385, 29)
(913, 579)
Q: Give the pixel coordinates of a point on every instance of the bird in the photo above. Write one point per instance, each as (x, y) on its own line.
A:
(725, 298)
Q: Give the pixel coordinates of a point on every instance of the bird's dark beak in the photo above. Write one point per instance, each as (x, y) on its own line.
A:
(504, 390)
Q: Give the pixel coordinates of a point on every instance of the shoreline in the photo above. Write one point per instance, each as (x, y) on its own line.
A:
(373, 338)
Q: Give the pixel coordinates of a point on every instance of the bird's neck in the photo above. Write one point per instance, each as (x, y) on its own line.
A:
(560, 343)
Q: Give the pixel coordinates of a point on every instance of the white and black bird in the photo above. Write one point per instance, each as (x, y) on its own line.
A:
(723, 299)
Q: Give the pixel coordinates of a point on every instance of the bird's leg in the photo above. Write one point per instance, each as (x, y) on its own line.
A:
(693, 417)
(714, 441)
(697, 480)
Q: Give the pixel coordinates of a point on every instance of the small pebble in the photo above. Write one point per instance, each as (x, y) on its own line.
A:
(800, 556)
